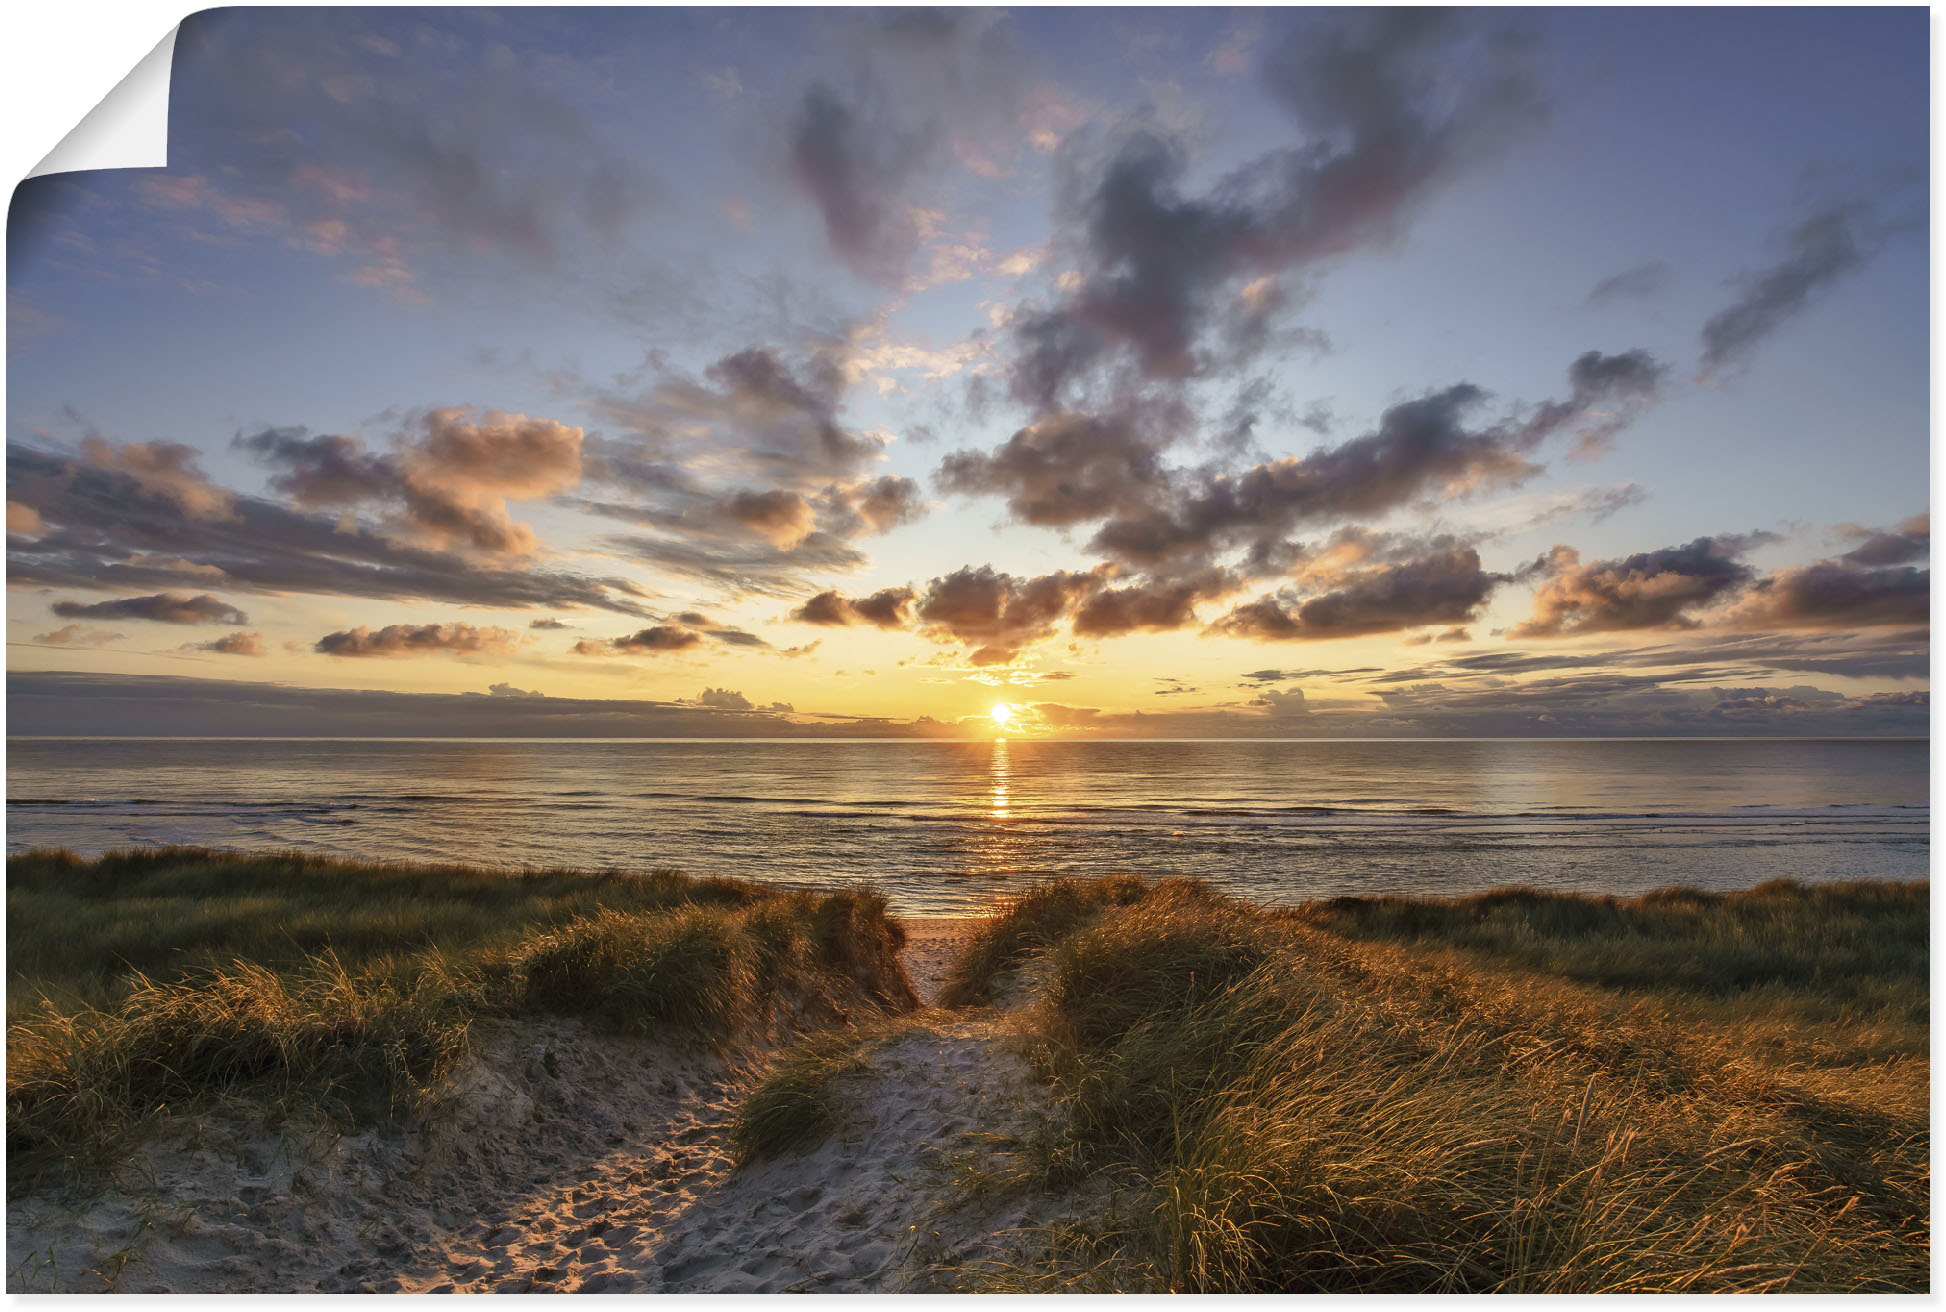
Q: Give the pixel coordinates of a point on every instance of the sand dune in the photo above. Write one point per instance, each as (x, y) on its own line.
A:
(568, 1158)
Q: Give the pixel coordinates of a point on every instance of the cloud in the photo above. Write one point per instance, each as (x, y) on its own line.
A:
(1607, 389)
(1835, 240)
(1420, 448)
(164, 469)
(803, 489)
(548, 622)
(888, 608)
(1066, 468)
(926, 86)
(723, 699)
(391, 164)
(448, 480)
(108, 530)
(851, 159)
(24, 520)
(1161, 269)
(657, 638)
(1443, 586)
(1639, 283)
(163, 608)
(1282, 705)
(78, 635)
(1649, 590)
(232, 644)
(508, 690)
(1911, 540)
(417, 640)
(997, 614)
(1833, 595)
(1148, 605)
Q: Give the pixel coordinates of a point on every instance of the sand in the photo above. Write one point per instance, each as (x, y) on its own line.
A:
(572, 1159)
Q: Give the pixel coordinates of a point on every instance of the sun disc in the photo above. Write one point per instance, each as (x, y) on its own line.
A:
(1003, 715)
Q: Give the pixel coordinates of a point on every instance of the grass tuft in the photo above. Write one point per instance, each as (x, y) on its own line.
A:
(1043, 915)
(1517, 1092)
(365, 977)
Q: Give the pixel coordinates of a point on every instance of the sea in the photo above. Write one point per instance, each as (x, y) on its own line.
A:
(945, 828)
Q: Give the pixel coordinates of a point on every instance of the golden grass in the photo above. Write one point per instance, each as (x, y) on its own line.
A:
(1518, 1092)
(371, 1035)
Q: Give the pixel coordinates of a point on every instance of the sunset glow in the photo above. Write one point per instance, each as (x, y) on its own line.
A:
(1132, 363)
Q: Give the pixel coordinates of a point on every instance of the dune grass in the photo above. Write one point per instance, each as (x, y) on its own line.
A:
(1518, 1092)
(189, 974)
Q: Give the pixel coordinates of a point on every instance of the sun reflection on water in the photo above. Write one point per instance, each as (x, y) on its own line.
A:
(999, 771)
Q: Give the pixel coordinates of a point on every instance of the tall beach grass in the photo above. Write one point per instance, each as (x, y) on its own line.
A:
(144, 982)
(1517, 1092)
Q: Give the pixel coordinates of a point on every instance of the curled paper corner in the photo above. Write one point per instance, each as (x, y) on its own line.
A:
(129, 129)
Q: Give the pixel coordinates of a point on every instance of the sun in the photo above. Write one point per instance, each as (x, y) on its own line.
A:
(1003, 716)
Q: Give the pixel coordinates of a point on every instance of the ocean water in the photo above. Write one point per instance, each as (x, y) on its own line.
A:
(943, 827)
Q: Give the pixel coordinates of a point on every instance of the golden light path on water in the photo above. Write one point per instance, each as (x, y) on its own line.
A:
(999, 775)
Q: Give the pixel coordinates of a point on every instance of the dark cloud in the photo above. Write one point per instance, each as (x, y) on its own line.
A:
(1832, 595)
(723, 699)
(852, 156)
(1161, 268)
(163, 608)
(997, 614)
(1649, 590)
(1420, 448)
(1066, 469)
(1837, 239)
(1606, 392)
(926, 85)
(888, 608)
(1636, 284)
(417, 640)
(1444, 586)
(1149, 605)
(1903, 655)
(104, 529)
(548, 622)
(655, 639)
(1912, 540)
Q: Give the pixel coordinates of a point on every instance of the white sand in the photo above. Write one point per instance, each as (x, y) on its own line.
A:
(608, 1172)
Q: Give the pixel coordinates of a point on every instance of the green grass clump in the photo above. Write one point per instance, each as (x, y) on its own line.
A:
(1485, 1095)
(101, 1043)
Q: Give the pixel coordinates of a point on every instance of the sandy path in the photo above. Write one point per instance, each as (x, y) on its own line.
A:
(932, 944)
(567, 1158)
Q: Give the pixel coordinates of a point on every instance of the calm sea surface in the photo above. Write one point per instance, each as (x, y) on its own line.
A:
(941, 827)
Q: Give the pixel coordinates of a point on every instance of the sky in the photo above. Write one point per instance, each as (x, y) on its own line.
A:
(1105, 372)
